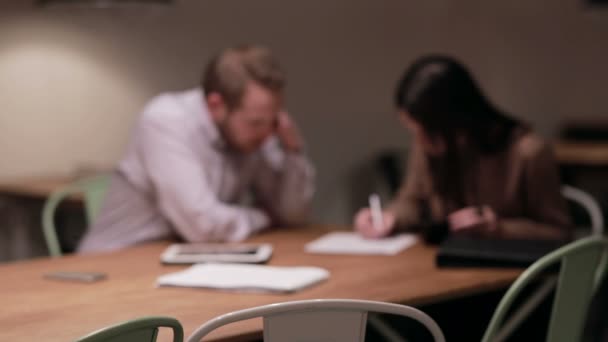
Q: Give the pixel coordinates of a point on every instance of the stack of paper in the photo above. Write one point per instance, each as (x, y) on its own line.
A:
(249, 278)
(353, 243)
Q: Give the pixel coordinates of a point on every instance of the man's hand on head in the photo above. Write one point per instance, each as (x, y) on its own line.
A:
(288, 133)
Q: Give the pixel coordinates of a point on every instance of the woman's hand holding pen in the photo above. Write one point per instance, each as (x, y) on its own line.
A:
(374, 223)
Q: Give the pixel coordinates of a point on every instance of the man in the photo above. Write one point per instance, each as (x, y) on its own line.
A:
(194, 157)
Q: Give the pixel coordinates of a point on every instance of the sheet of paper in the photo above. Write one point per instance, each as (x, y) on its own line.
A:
(247, 278)
(353, 243)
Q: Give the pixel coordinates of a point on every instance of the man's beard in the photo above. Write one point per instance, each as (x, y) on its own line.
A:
(231, 145)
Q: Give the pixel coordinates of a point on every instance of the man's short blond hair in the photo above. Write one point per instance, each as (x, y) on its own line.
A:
(229, 72)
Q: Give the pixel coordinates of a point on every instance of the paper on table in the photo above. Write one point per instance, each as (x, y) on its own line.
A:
(353, 243)
(250, 278)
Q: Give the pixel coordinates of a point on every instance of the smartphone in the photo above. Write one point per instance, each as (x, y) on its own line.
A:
(81, 277)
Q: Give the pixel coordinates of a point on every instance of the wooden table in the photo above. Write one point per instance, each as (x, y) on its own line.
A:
(36, 309)
(39, 188)
(582, 153)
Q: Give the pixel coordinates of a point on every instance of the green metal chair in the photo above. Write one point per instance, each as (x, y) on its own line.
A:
(143, 329)
(583, 265)
(92, 190)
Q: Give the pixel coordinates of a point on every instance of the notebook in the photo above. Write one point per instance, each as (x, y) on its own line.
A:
(460, 251)
(353, 243)
(246, 278)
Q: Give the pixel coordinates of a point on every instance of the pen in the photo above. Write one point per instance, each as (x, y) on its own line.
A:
(376, 211)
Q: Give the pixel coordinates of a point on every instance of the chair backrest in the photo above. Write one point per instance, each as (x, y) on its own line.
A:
(92, 191)
(582, 268)
(590, 205)
(317, 320)
(143, 329)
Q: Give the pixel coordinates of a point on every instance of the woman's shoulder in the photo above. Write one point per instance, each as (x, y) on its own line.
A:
(528, 144)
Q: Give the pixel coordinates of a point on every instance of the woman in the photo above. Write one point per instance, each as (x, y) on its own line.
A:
(471, 169)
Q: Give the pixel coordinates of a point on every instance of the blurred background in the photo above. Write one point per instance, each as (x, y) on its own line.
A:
(74, 76)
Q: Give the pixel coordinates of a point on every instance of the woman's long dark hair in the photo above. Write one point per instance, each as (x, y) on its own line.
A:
(440, 94)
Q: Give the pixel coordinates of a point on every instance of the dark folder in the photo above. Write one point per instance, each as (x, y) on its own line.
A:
(460, 251)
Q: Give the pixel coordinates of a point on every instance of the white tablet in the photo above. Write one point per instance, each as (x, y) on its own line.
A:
(193, 253)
